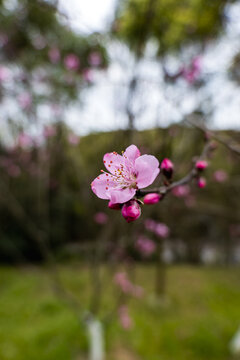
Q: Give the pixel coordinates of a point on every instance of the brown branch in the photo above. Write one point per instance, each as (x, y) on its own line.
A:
(193, 173)
(214, 136)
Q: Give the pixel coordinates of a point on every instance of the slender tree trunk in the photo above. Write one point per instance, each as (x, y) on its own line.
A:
(96, 339)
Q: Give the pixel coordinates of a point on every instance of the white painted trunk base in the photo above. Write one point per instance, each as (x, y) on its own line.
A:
(96, 340)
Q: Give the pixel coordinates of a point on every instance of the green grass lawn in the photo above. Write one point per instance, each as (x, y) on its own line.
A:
(199, 316)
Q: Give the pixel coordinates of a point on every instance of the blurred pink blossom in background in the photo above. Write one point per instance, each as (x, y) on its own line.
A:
(73, 139)
(121, 279)
(24, 140)
(181, 191)
(39, 42)
(25, 101)
(220, 176)
(145, 246)
(4, 73)
(71, 62)
(3, 39)
(124, 317)
(191, 73)
(161, 230)
(54, 55)
(13, 170)
(88, 75)
(49, 131)
(56, 109)
(101, 218)
(95, 59)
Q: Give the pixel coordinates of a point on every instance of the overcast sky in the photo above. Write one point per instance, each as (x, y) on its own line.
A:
(103, 101)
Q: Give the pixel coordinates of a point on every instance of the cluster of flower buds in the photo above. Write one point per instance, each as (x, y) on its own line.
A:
(200, 166)
(130, 172)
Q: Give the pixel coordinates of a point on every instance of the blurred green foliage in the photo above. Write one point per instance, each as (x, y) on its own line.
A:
(29, 31)
(197, 321)
(171, 24)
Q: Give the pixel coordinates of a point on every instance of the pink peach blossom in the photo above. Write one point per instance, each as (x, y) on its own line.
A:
(161, 230)
(124, 317)
(95, 59)
(49, 131)
(181, 191)
(4, 73)
(121, 279)
(220, 176)
(25, 140)
(88, 75)
(71, 62)
(123, 282)
(145, 246)
(192, 72)
(54, 55)
(73, 139)
(25, 101)
(128, 173)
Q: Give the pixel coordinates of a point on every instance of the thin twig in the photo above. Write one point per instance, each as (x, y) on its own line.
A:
(163, 190)
(214, 136)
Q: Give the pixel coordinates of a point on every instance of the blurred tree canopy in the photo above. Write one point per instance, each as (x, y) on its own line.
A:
(171, 24)
(34, 37)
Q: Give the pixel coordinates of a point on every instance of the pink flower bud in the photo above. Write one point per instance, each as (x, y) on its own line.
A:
(131, 211)
(167, 168)
(152, 198)
(201, 165)
(114, 206)
(201, 182)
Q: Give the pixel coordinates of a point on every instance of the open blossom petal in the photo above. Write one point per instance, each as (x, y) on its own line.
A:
(132, 153)
(112, 162)
(147, 168)
(121, 195)
(100, 186)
